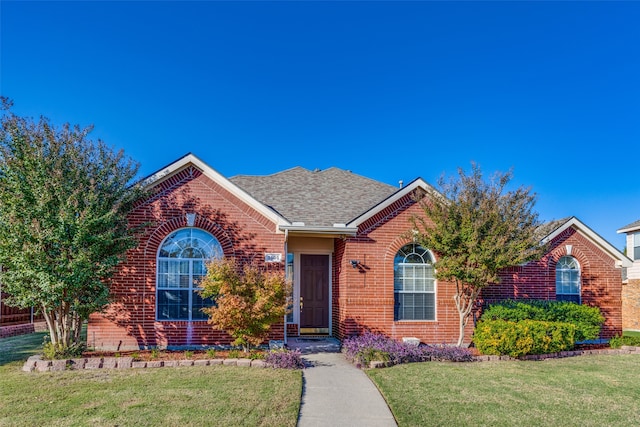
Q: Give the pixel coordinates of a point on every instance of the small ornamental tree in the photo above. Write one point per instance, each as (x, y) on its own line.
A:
(477, 228)
(248, 300)
(63, 205)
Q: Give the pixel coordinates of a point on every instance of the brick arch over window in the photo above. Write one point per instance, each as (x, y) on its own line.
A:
(582, 261)
(163, 230)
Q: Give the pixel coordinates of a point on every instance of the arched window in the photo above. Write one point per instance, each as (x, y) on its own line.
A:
(414, 286)
(181, 264)
(568, 279)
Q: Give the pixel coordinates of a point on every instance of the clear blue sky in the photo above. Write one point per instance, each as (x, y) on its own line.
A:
(389, 90)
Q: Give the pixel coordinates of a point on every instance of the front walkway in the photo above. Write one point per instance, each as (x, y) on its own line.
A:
(335, 392)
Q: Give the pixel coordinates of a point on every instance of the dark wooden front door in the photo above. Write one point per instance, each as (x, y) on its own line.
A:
(314, 291)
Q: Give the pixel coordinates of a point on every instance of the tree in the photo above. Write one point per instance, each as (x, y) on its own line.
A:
(248, 300)
(63, 228)
(477, 228)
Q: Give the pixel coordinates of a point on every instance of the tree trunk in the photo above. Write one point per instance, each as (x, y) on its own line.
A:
(465, 299)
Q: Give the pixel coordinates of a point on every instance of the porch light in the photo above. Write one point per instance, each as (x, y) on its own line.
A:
(354, 263)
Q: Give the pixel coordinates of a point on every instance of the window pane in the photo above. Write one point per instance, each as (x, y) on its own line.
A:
(198, 304)
(173, 305)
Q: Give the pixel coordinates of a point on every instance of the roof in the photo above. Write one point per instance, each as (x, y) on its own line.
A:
(320, 198)
(634, 226)
(554, 228)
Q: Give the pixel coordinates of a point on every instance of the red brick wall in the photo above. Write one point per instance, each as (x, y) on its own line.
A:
(631, 305)
(130, 320)
(363, 298)
(601, 280)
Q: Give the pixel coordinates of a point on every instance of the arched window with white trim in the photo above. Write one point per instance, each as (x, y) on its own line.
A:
(414, 284)
(568, 279)
(181, 264)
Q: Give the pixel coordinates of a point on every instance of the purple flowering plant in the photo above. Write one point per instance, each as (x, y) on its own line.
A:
(370, 346)
(285, 359)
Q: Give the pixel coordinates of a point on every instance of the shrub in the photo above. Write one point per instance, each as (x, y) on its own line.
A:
(587, 320)
(234, 354)
(501, 337)
(369, 346)
(51, 351)
(211, 353)
(284, 359)
(617, 341)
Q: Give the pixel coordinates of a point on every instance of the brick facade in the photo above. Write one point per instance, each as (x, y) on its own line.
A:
(601, 279)
(130, 320)
(631, 305)
(362, 298)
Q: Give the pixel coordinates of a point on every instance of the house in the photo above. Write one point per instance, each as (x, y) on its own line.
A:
(342, 238)
(631, 284)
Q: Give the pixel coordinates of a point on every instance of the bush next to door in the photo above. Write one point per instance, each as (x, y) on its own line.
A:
(501, 337)
(587, 320)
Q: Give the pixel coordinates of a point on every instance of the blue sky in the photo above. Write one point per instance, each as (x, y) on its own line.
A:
(389, 90)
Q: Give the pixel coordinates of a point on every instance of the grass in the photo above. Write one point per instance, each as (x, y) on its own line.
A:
(186, 396)
(631, 333)
(578, 391)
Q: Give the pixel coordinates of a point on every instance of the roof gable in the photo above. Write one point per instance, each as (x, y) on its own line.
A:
(191, 160)
(557, 227)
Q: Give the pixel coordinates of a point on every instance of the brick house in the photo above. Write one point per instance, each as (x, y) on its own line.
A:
(345, 242)
(631, 284)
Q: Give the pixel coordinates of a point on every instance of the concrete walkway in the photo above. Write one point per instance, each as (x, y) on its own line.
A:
(336, 393)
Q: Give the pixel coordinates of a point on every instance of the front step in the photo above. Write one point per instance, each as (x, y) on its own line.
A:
(314, 344)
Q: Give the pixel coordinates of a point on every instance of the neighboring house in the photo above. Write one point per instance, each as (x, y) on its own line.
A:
(631, 285)
(345, 242)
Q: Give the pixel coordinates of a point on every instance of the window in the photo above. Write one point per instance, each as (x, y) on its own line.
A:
(568, 280)
(636, 246)
(414, 284)
(181, 264)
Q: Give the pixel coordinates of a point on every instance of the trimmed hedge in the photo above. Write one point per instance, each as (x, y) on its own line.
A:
(500, 337)
(587, 320)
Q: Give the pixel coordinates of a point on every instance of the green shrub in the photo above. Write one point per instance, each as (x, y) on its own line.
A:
(501, 337)
(52, 351)
(211, 353)
(234, 354)
(587, 320)
(617, 341)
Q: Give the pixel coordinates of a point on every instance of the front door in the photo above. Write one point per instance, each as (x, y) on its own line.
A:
(314, 294)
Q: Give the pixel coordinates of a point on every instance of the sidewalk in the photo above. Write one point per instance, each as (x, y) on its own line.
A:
(336, 393)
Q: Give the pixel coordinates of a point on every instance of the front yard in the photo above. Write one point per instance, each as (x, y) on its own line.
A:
(578, 391)
(188, 396)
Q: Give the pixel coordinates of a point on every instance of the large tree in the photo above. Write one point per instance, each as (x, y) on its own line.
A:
(476, 228)
(63, 205)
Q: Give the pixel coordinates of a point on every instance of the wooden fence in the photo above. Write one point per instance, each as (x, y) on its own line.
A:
(16, 316)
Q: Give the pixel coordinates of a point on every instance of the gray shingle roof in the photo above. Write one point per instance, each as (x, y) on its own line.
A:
(317, 198)
(632, 226)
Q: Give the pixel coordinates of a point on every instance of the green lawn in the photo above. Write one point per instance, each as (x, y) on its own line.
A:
(578, 391)
(186, 396)
(631, 333)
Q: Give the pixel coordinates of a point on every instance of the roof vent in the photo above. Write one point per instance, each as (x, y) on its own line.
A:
(401, 183)
(316, 170)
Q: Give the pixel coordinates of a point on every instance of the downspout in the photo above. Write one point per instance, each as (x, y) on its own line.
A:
(286, 253)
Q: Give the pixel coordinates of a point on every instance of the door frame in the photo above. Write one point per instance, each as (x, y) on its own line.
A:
(297, 266)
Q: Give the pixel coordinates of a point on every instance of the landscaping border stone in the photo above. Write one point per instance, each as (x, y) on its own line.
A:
(37, 364)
